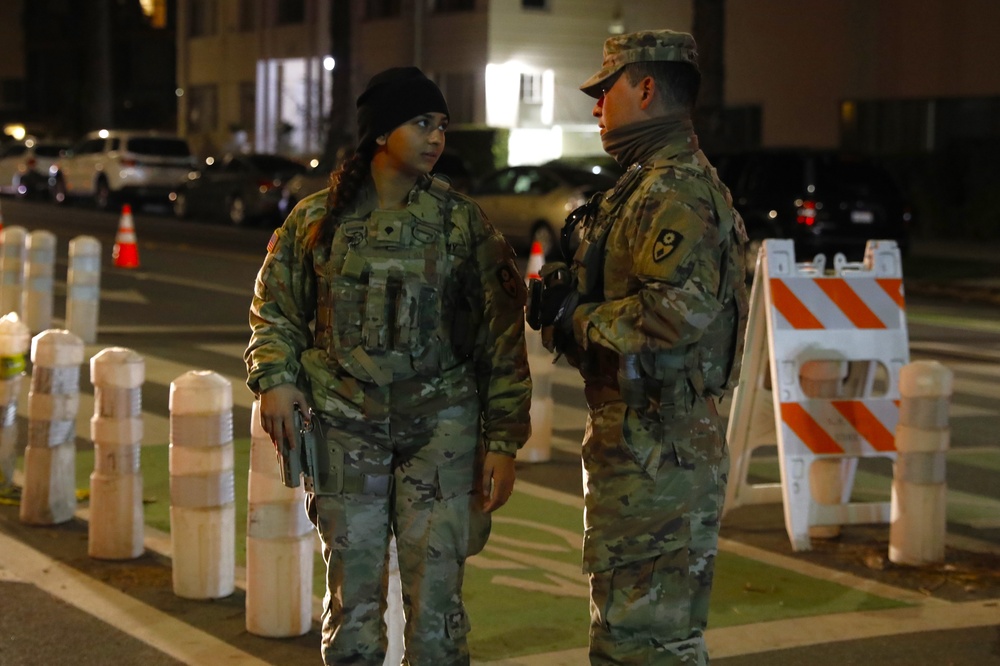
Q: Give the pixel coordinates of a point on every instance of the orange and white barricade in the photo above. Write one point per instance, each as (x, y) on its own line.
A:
(802, 318)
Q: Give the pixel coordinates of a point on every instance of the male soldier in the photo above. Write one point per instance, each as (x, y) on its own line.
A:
(652, 312)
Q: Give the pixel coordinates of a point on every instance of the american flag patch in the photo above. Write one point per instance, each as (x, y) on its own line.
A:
(271, 243)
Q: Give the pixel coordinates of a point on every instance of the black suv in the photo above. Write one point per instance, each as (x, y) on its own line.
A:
(825, 201)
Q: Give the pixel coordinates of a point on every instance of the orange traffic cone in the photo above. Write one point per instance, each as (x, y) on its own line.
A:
(535, 261)
(126, 252)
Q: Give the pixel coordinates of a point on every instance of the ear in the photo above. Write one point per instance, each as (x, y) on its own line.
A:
(647, 89)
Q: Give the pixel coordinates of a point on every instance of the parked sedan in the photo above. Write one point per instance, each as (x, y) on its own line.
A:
(24, 165)
(826, 201)
(240, 188)
(530, 203)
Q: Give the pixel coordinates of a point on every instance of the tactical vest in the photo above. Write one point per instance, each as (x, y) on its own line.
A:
(713, 365)
(387, 299)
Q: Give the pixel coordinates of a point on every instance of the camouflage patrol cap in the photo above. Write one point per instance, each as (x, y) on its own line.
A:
(645, 46)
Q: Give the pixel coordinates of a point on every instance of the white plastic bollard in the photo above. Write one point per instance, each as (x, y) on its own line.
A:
(14, 341)
(395, 619)
(13, 250)
(49, 493)
(116, 514)
(538, 448)
(39, 269)
(280, 545)
(202, 493)
(918, 518)
(83, 287)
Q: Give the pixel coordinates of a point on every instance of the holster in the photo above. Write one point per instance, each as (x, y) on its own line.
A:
(306, 459)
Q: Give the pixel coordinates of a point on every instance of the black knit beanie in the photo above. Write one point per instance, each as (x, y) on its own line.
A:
(391, 98)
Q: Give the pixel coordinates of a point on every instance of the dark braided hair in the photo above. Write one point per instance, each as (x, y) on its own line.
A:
(345, 184)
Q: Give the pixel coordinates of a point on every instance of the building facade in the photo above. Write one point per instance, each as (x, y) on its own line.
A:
(12, 71)
(68, 67)
(892, 76)
(262, 69)
(250, 74)
(889, 77)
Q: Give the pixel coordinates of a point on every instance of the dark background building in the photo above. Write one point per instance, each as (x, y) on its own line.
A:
(100, 63)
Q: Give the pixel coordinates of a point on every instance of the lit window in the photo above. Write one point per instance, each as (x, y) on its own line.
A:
(531, 88)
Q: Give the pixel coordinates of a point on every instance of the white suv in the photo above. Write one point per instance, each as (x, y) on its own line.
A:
(109, 165)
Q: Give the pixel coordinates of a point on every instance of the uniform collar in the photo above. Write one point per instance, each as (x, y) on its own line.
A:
(419, 201)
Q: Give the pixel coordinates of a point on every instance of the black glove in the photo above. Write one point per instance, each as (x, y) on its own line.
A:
(558, 303)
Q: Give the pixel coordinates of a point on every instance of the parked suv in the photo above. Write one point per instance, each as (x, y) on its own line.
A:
(825, 201)
(24, 165)
(110, 165)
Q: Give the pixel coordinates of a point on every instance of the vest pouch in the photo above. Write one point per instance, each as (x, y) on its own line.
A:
(347, 301)
(349, 305)
(376, 331)
(425, 351)
(716, 352)
(463, 332)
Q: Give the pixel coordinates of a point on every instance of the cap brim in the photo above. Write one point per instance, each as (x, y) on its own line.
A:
(594, 85)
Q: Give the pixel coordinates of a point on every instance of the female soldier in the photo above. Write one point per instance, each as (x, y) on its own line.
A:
(393, 308)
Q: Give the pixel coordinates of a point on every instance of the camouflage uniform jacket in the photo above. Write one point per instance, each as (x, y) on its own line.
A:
(671, 274)
(286, 341)
(671, 278)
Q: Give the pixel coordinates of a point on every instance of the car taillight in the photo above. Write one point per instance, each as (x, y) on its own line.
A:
(263, 185)
(31, 163)
(127, 162)
(806, 213)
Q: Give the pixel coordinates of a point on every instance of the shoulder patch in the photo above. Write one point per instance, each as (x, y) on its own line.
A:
(271, 244)
(509, 280)
(665, 244)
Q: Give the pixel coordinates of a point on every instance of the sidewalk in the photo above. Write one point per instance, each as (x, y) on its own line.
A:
(981, 289)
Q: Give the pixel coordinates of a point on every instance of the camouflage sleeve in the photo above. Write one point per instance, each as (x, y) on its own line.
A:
(671, 244)
(283, 305)
(501, 358)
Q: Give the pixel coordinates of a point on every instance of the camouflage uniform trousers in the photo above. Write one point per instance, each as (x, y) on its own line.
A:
(432, 463)
(653, 503)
